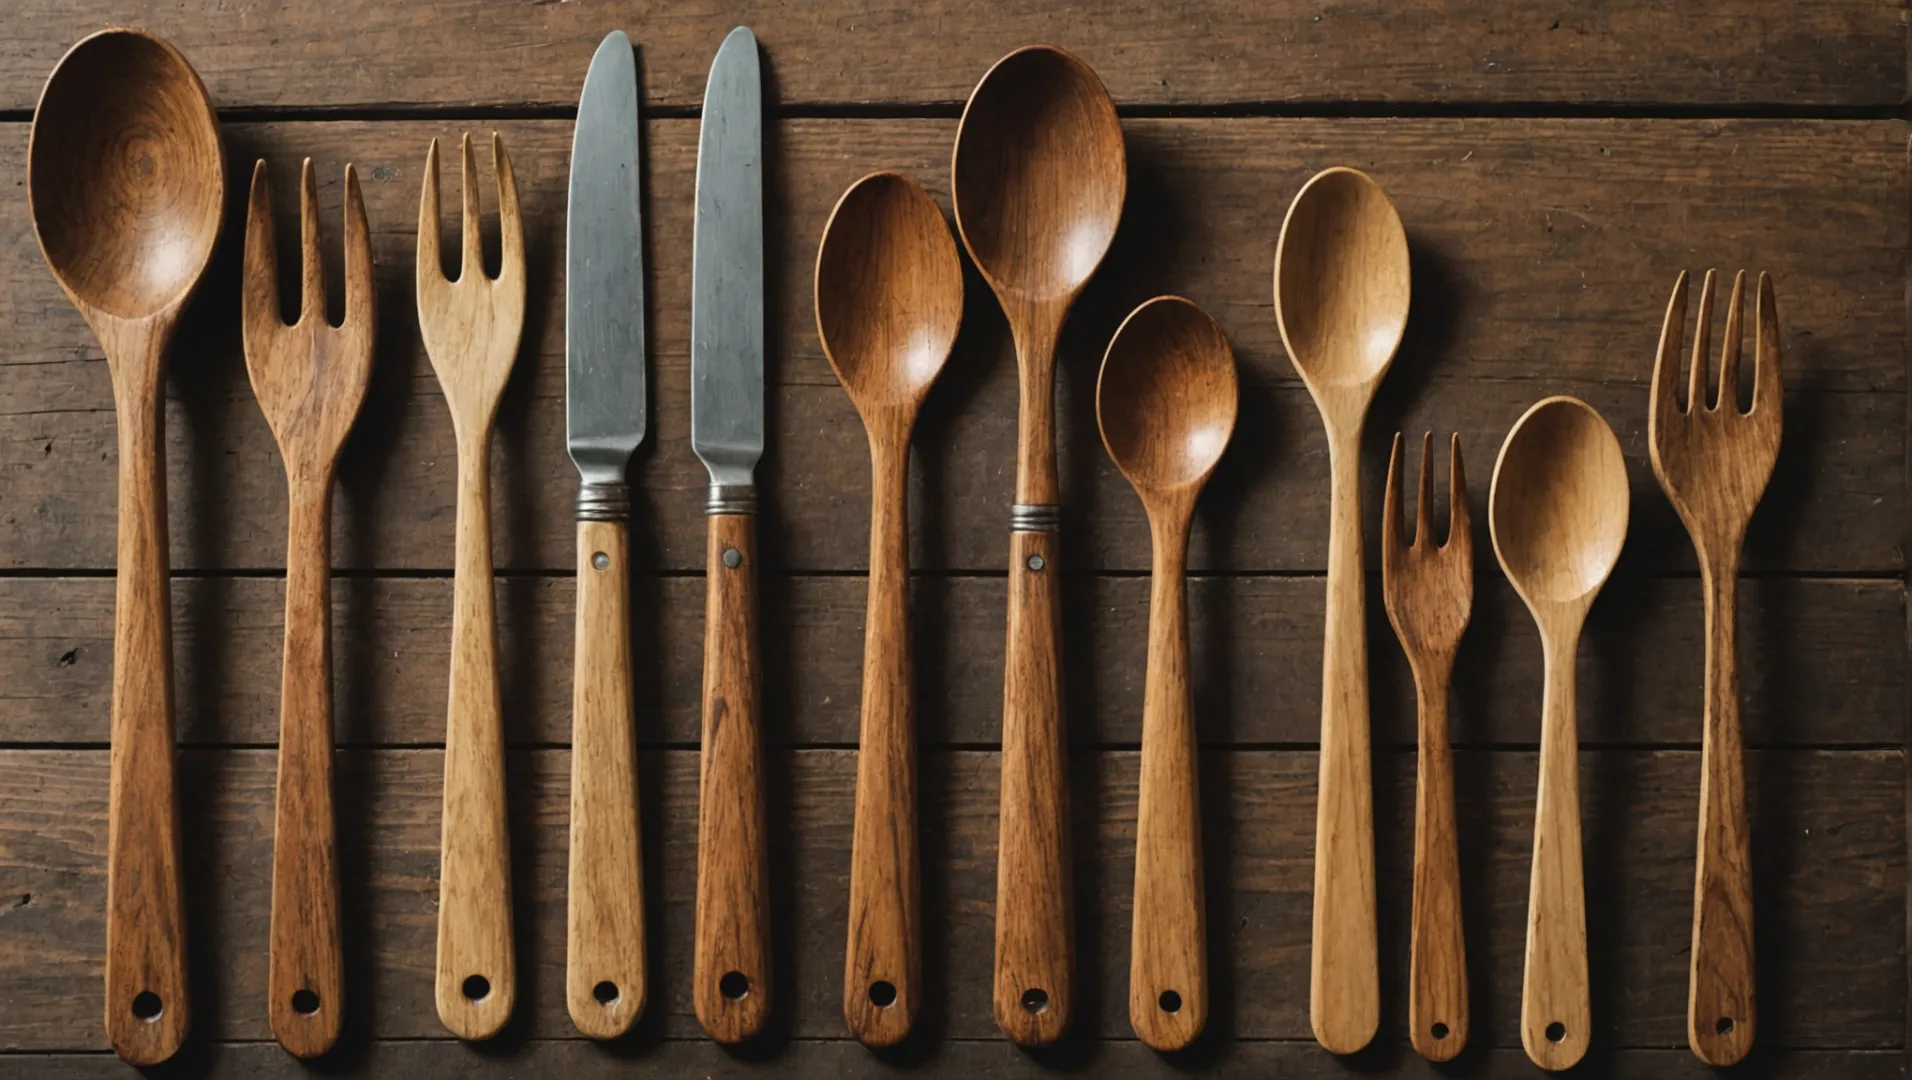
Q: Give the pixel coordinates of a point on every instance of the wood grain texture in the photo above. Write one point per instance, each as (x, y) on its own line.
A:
(732, 982)
(310, 379)
(1714, 463)
(1832, 870)
(606, 980)
(1534, 247)
(1849, 52)
(471, 329)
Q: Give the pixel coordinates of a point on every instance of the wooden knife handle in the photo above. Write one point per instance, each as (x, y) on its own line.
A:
(1035, 925)
(883, 964)
(1555, 1013)
(307, 980)
(147, 1007)
(1345, 979)
(477, 968)
(1437, 983)
(1721, 1014)
(731, 967)
(605, 979)
(1168, 958)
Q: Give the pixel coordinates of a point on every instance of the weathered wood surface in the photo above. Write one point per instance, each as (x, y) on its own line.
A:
(1848, 52)
(1824, 661)
(1831, 855)
(1543, 252)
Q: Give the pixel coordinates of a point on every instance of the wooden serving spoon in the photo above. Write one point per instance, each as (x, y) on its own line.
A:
(889, 298)
(1166, 403)
(127, 180)
(1558, 513)
(1039, 177)
(1341, 297)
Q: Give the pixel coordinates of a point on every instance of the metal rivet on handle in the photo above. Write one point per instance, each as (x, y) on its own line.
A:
(601, 561)
(733, 558)
(1036, 563)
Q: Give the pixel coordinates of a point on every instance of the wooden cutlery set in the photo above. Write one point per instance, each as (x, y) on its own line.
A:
(127, 186)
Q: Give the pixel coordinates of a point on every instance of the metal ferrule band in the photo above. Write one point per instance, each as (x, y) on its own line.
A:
(731, 499)
(604, 502)
(1035, 517)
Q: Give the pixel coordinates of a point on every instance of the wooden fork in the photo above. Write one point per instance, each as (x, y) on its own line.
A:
(1714, 463)
(310, 379)
(1429, 593)
(471, 328)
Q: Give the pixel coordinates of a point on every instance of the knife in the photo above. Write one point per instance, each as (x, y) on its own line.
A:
(731, 967)
(604, 423)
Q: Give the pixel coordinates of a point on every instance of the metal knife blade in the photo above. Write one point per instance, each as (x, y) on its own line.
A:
(726, 306)
(604, 386)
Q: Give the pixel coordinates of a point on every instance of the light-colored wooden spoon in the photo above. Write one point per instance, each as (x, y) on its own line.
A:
(1040, 176)
(889, 299)
(1558, 513)
(127, 182)
(1166, 403)
(1341, 297)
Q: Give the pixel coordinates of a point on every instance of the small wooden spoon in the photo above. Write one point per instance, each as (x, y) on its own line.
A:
(1558, 512)
(1166, 403)
(1341, 297)
(127, 181)
(1040, 176)
(889, 298)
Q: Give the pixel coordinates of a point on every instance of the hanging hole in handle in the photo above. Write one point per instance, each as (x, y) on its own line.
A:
(1035, 1001)
(1439, 1030)
(605, 992)
(147, 1006)
(476, 988)
(1556, 1031)
(733, 985)
(1725, 1025)
(1170, 1001)
(305, 1002)
(882, 994)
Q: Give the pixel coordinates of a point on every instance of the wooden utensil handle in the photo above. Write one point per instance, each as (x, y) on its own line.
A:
(1554, 1008)
(147, 1007)
(731, 977)
(1168, 966)
(1721, 1010)
(307, 980)
(477, 968)
(1345, 979)
(605, 981)
(883, 964)
(1437, 984)
(1035, 925)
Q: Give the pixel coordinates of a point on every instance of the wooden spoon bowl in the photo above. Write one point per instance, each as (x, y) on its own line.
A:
(1167, 396)
(1341, 280)
(1559, 503)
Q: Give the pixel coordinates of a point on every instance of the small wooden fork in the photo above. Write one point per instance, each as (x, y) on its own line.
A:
(471, 328)
(1429, 594)
(310, 379)
(1714, 463)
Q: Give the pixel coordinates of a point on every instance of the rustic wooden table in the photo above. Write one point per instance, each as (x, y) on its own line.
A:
(1556, 166)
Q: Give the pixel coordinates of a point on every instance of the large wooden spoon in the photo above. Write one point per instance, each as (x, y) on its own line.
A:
(1040, 175)
(889, 298)
(1341, 297)
(127, 180)
(1166, 403)
(1558, 512)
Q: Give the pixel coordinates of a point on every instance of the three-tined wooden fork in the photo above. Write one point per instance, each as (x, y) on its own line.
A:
(1714, 463)
(1428, 588)
(310, 378)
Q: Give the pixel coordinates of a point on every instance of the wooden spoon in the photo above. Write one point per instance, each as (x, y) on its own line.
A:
(1166, 403)
(1558, 512)
(1341, 297)
(127, 181)
(1040, 175)
(889, 298)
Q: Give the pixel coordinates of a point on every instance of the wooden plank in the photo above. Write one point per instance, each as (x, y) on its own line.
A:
(1831, 873)
(1842, 52)
(1824, 664)
(1542, 247)
(969, 1059)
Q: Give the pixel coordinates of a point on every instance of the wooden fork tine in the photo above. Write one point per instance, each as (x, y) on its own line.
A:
(1460, 521)
(1665, 394)
(1424, 496)
(471, 257)
(1729, 348)
(1766, 376)
(311, 270)
(510, 225)
(1391, 511)
(430, 265)
(259, 294)
(1702, 343)
(361, 297)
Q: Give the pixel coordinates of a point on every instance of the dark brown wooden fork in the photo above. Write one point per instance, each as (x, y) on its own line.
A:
(1429, 592)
